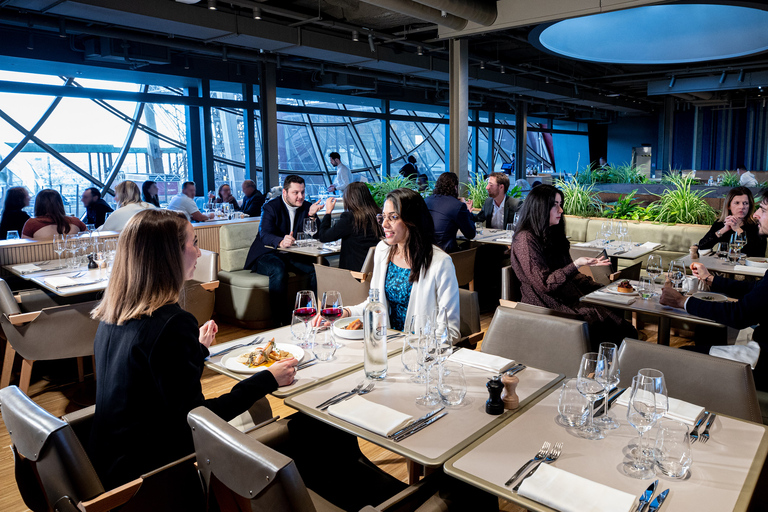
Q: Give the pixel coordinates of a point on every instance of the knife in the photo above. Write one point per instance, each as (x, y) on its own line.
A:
(602, 410)
(416, 423)
(645, 498)
(658, 501)
(420, 427)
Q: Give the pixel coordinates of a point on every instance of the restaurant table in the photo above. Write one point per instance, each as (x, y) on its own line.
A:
(650, 306)
(722, 477)
(637, 250)
(436, 443)
(490, 236)
(318, 251)
(347, 358)
(715, 264)
(93, 280)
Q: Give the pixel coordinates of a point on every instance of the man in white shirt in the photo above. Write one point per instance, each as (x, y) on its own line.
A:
(343, 174)
(185, 202)
(499, 209)
(747, 179)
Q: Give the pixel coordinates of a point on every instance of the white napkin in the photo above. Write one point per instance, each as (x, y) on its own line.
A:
(752, 271)
(567, 492)
(748, 353)
(26, 269)
(57, 281)
(481, 360)
(649, 245)
(678, 410)
(584, 244)
(503, 239)
(377, 418)
(612, 297)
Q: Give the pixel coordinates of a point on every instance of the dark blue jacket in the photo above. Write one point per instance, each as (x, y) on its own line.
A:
(252, 205)
(450, 215)
(274, 225)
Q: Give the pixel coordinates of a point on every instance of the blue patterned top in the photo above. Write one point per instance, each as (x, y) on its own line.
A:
(398, 290)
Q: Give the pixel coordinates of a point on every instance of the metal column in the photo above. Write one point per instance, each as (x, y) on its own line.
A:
(208, 182)
(249, 133)
(521, 139)
(459, 108)
(268, 105)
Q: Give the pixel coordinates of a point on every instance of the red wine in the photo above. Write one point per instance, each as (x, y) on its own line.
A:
(332, 314)
(305, 314)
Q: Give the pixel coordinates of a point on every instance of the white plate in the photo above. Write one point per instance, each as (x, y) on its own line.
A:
(338, 328)
(229, 361)
(757, 262)
(613, 288)
(710, 297)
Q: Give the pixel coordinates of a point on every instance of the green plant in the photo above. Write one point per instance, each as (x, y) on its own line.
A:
(681, 205)
(515, 191)
(731, 179)
(476, 191)
(380, 189)
(625, 173)
(579, 199)
(625, 208)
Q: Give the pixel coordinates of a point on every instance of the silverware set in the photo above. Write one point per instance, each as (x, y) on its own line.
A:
(551, 457)
(645, 498)
(256, 341)
(707, 419)
(515, 369)
(307, 364)
(81, 284)
(417, 425)
(364, 387)
(546, 455)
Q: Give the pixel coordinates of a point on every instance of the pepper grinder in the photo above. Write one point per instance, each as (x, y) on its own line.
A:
(91, 263)
(508, 394)
(494, 405)
(694, 252)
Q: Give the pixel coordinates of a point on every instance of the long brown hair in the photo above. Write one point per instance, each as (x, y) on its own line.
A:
(148, 272)
(48, 203)
(738, 191)
(413, 211)
(359, 201)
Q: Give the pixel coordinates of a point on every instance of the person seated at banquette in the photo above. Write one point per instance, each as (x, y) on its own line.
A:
(129, 203)
(50, 218)
(14, 217)
(449, 213)
(736, 217)
(225, 196)
(149, 191)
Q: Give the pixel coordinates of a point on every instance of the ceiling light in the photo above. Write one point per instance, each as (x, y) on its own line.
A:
(672, 81)
(224, 54)
(419, 50)
(62, 28)
(257, 13)
(482, 64)
(741, 75)
(186, 62)
(546, 79)
(502, 70)
(370, 43)
(31, 43)
(723, 77)
(355, 36)
(212, 5)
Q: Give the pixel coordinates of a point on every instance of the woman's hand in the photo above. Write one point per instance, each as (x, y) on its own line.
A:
(208, 333)
(700, 271)
(671, 297)
(330, 204)
(284, 371)
(592, 262)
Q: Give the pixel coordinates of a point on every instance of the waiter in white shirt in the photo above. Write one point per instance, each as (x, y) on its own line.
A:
(747, 179)
(343, 174)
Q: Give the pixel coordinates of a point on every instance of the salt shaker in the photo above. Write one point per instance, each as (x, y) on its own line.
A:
(508, 394)
(494, 405)
(694, 252)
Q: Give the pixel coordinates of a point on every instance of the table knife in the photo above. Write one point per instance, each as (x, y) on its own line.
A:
(658, 501)
(645, 498)
(602, 410)
(416, 423)
(417, 429)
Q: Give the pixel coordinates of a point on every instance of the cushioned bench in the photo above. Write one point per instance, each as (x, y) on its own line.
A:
(242, 297)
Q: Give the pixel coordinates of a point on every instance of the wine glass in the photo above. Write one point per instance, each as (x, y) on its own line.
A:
(676, 273)
(510, 231)
(305, 310)
(331, 309)
(59, 246)
(610, 352)
(310, 228)
(654, 267)
(441, 333)
(591, 382)
(71, 247)
(721, 250)
(417, 329)
(740, 239)
(427, 359)
(734, 253)
(641, 414)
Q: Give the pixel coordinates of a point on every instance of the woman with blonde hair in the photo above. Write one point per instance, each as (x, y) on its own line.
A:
(129, 203)
(149, 354)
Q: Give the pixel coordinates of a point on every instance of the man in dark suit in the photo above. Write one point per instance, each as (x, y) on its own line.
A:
(281, 219)
(499, 209)
(253, 200)
(748, 311)
(96, 209)
(449, 213)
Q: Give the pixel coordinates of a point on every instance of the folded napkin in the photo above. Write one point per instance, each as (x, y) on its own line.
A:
(612, 297)
(26, 269)
(649, 245)
(567, 492)
(752, 271)
(377, 418)
(678, 410)
(503, 239)
(748, 353)
(584, 244)
(481, 360)
(58, 281)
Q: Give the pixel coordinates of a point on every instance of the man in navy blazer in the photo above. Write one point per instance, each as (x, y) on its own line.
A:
(281, 219)
(449, 213)
(748, 311)
(499, 209)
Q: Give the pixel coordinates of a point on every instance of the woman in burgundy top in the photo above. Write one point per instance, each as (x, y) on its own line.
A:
(49, 211)
(549, 277)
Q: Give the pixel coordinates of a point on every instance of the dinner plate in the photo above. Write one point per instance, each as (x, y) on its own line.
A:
(757, 262)
(229, 361)
(338, 328)
(613, 288)
(710, 297)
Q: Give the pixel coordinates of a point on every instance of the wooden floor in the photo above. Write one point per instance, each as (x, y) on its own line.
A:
(60, 399)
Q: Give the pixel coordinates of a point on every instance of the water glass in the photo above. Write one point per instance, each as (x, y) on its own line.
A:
(510, 231)
(302, 239)
(12, 235)
(479, 227)
(297, 328)
(676, 273)
(573, 406)
(654, 267)
(324, 345)
(641, 414)
(451, 385)
(645, 287)
(417, 330)
(672, 451)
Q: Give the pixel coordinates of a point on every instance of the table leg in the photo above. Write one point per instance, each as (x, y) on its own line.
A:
(414, 471)
(664, 328)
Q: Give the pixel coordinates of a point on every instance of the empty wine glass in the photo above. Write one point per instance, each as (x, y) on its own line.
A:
(676, 273)
(427, 359)
(641, 414)
(439, 329)
(310, 228)
(305, 309)
(59, 246)
(591, 382)
(654, 267)
(417, 329)
(610, 352)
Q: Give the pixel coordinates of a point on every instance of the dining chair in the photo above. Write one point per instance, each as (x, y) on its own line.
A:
(469, 319)
(544, 341)
(464, 264)
(367, 267)
(632, 273)
(353, 286)
(510, 284)
(720, 385)
(53, 470)
(199, 293)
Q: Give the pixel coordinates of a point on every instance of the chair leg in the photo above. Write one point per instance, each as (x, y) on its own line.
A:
(26, 374)
(472, 285)
(80, 370)
(10, 356)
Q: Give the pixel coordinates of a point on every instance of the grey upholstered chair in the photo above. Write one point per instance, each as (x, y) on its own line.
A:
(53, 471)
(718, 384)
(510, 285)
(464, 264)
(469, 319)
(199, 294)
(543, 341)
(353, 286)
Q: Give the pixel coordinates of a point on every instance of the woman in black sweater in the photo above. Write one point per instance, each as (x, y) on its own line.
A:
(356, 227)
(149, 354)
(737, 213)
(14, 216)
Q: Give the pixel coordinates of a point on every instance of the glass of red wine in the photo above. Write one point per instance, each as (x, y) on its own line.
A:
(331, 309)
(305, 310)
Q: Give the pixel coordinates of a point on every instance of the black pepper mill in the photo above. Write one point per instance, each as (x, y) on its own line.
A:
(91, 263)
(494, 405)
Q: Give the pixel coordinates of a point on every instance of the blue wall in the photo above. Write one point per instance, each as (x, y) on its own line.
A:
(629, 132)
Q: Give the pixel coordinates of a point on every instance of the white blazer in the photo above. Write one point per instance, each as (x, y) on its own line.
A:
(120, 217)
(436, 287)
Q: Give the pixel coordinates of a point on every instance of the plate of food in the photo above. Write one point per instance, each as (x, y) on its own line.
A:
(757, 262)
(710, 297)
(623, 287)
(350, 328)
(258, 358)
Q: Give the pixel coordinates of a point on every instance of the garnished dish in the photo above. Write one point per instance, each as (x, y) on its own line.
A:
(263, 356)
(355, 325)
(350, 328)
(710, 296)
(256, 359)
(625, 287)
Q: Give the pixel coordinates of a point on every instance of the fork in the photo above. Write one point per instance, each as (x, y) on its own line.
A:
(539, 456)
(551, 457)
(705, 434)
(516, 369)
(367, 389)
(256, 341)
(694, 435)
(351, 392)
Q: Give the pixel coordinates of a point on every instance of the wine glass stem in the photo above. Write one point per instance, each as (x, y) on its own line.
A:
(306, 333)
(591, 414)
(640, 455)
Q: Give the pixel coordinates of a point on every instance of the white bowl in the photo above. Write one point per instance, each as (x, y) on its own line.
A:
(340, 331)
(757, 262)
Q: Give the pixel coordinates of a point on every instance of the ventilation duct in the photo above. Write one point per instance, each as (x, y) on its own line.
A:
(482, 12)
(420, 11)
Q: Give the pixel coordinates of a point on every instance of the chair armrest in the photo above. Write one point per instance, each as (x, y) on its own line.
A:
(360, 276)
(614, 276)
(210, 286)
(111, 499)
(23, 318)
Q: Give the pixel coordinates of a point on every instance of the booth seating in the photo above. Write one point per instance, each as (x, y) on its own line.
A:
(199, 294)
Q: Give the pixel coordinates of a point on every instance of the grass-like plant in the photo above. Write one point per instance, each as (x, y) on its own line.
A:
(380, 189)
(681, 205)
(579, 199)
(625, 208)
(476, 191)
(625, 173)
(731, 179)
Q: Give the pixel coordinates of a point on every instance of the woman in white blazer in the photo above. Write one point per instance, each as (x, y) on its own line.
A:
(413, 275)
(129, 203)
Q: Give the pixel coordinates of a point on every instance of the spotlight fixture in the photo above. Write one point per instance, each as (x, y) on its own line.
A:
(419, 50)
(212, 5)
(355, 36)
(186, 62)
(546, 79)
(62, 28)
(741, 75)
(502, 70)
(31, 42)
(482, 64)
(723, 77)
(257, 13)
(224, 53)
(672, 81)
(370, 44)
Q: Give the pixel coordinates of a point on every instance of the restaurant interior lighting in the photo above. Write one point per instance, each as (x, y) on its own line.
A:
(482, 64)
(62, 28)
(502, 70)
(212, 5)
(672, 81)
(355, 36)
(31, 42)
(257, 13)
(723, 77)
(224, 54)
(419, 50)
(370, 43)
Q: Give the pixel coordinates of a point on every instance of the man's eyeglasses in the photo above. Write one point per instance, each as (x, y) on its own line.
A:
(391, 218)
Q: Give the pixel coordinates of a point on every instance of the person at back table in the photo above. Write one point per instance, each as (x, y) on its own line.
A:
(357, 226)
(225, 196)
(449, 213)
(736, 218)
(746, 178)
(499, 209)
(281, 219)
(185, 202)
(253, 199)
(149, 190)
(129, 203)
(96, 208)
(14, 217)
(343, 174)
(50, 218)
(410, 169)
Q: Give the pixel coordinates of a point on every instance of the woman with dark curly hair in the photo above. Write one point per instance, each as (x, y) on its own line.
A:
(549, 277)
(449, 213)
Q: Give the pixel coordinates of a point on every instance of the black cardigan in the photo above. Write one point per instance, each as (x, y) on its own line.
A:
(755, 242)
(12, 220)
(354, 247)
(148, 380)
